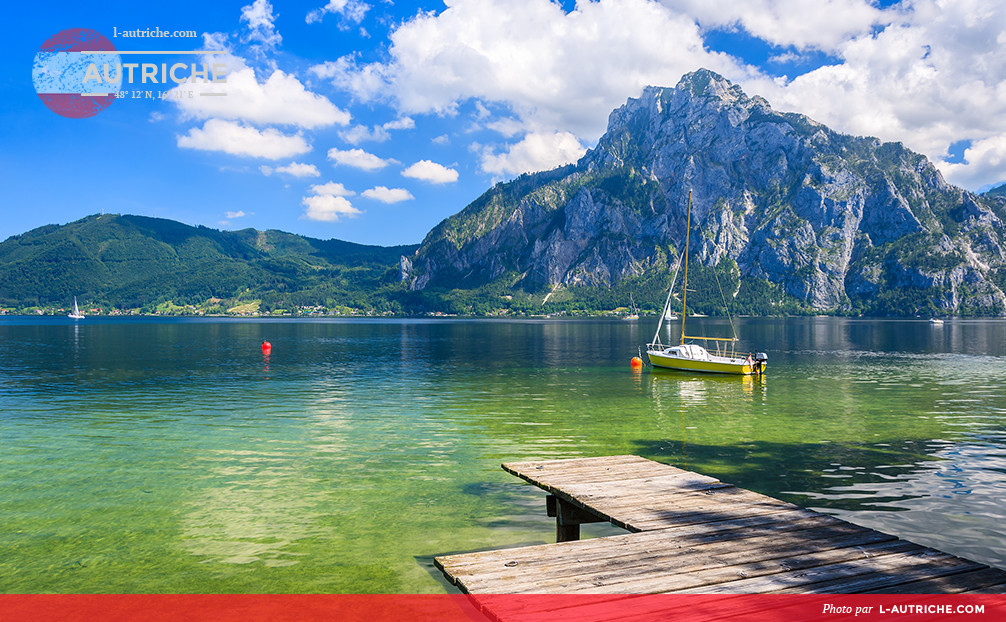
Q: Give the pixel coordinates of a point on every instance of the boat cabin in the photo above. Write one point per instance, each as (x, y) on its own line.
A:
(688, 351)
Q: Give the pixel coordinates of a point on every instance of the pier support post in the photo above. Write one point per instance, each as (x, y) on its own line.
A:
(568, 518)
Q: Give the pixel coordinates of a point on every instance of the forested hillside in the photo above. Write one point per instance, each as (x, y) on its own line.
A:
(140, 263)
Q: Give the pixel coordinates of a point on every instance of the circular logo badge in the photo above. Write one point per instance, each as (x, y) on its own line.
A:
(77, 73)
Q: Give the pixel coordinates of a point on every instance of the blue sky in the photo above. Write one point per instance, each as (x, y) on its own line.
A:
(371, 121)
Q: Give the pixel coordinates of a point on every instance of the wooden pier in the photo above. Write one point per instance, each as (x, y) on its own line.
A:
(694, 534)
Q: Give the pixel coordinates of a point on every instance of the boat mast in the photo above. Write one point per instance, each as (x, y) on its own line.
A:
(667, 301)
(684, 288)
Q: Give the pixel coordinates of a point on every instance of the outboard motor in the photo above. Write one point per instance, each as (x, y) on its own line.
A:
(760, 359)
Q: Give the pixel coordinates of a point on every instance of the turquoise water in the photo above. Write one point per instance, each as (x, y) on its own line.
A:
(142, 455)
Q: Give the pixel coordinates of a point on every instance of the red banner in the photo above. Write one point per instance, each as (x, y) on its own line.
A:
(501, 608)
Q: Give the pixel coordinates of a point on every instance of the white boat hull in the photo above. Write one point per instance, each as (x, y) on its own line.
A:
(695, 358)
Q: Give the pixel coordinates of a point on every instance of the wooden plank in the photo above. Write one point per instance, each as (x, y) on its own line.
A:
(587, 493)
(545, 477)
(634, 470)
(983, 580)
(660, 520)
(705, 579)
(649, 521)
(545, 473)
(599, 561)
(673, 569)
(732, 500)
(651, 518)
(572, 465)
(667, 484)
(852, 576)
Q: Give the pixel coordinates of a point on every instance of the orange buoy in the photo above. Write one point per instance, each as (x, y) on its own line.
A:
(266, 347)
(636, 362)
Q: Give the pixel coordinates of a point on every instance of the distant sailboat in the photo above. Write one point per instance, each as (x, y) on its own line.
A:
(634, 314)
(77, 315)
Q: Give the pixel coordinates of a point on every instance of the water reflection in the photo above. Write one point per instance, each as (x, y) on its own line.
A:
(698, 389)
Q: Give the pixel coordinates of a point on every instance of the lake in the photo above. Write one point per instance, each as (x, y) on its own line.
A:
(145, 455)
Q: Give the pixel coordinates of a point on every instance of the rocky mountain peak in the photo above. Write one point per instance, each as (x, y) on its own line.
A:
(833, 222)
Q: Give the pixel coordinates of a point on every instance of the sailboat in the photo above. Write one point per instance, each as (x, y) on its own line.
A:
(634, 315)
(77, 315)
(688, 356)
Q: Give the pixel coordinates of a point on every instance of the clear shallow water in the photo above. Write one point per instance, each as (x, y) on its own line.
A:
(171, 456)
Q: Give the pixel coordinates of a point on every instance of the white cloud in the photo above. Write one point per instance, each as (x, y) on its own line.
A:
(984, 164)
(556, 71)
(378, 133)
(328, 208)
(508, 127)
(388, 195)
(822, 24)
(786, 57)
(294, 169)
(357, 158)
(536, 152)
(431, 172)
(328, 203)
(350, 10)
(360, 133)
(238, 214)
(934, 76)
(241, 140)
(281, 99)
(332, 188)
(216, 41)
(260, 20)
(367, 82)
(258, 15)
(402, 123)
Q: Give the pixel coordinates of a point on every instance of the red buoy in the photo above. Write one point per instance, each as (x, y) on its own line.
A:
(636, 362)
(266, 347)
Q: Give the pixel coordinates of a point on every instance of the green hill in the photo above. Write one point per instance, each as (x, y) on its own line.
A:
(136, 262)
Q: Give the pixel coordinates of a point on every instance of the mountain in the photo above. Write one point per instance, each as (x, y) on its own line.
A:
(788, 215)
(139, 262)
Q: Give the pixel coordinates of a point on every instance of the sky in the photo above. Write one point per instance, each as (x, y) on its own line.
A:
(371, 121)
